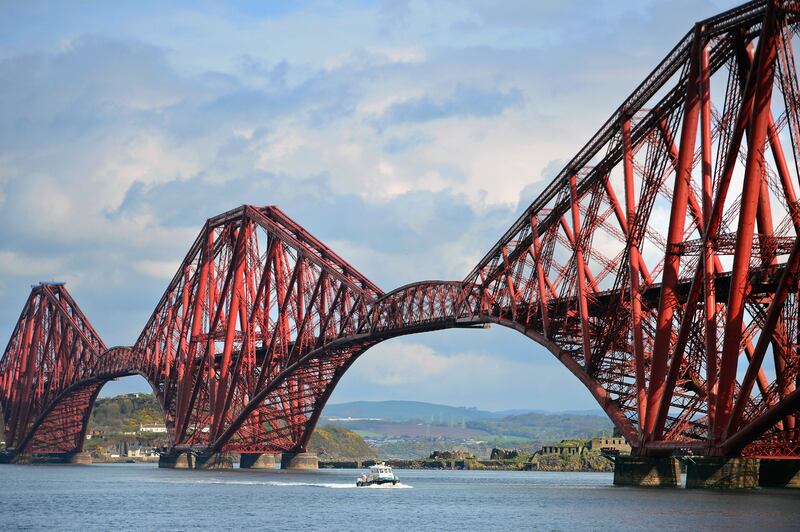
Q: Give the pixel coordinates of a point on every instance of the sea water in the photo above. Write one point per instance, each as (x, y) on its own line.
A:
(143, 497)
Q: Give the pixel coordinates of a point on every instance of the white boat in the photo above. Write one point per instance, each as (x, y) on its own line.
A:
(378, 474)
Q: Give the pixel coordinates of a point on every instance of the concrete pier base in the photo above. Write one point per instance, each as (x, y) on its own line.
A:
(721, 473)
(10, 458)
(257, 461)
(779, 473)
(299, 461)
(81, 457)
(190, 460)
(646, 471)
(175, 461)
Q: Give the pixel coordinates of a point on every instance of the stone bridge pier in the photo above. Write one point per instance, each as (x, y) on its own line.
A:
(706, 472)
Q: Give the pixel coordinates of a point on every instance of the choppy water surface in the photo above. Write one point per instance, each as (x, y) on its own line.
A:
(143, 497)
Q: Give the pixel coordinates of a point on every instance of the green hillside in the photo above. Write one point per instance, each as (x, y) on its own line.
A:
(122, 413)
(333, 442)
(125, 413)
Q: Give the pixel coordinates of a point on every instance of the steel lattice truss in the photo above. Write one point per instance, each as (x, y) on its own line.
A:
(660, 267)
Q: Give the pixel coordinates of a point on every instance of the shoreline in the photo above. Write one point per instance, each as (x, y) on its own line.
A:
(462, 465)
(416, 464)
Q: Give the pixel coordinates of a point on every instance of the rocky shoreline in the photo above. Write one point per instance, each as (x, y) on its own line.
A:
(543, 464)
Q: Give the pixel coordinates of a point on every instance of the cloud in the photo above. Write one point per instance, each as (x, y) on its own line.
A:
(403, 364)
(406, 369)
(164, 269)
(463, 102)
(16, 264)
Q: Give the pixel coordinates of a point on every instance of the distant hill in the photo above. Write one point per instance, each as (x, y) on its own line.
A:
(430, 412)
(545, 427)
(412, 429)
(519, 411)
(405, 411)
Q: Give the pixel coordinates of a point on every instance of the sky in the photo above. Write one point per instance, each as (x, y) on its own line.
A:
(406, 135)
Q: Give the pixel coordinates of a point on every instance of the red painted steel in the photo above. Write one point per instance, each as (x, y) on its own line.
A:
(677, 307)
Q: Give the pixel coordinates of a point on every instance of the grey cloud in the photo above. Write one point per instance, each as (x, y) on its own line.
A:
(401, 143)
(275, 75)
(94, 81)
(526, 14)
(465, 101)
(528, 194)
(409, 224)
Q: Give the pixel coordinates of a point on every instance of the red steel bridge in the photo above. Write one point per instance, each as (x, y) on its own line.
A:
(660, 267)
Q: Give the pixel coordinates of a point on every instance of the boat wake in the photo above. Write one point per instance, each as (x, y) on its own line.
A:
(398, 486)
(329, 485)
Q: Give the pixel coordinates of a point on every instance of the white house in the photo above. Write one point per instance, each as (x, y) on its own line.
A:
(161, 429)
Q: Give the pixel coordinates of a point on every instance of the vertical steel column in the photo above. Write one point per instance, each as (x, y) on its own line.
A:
(669, 296)
(12, 436)
(709, 286)
(237, 264)
(783, 172)
(785, 385)
(764, 69)
(788, 277)
(633, 260)
(537, 258)
(186, 371)
(512, 292)
(583, 305)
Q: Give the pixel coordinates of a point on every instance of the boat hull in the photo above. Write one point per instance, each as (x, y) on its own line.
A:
(365, 483)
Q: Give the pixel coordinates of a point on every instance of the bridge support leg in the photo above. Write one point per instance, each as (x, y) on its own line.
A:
(78, 457)
(82, 457)
(779, 473)
(190, 460)
(299, 461)
(721, 473)
(175, 460)
(257, 461)
(647, 471)
(10, 458)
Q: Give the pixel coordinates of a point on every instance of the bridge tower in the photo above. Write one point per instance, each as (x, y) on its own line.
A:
(660, 267)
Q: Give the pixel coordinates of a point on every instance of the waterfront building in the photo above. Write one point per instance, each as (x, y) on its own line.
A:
(160, 429)
(565, 447)
(617, 443)
(139, 451)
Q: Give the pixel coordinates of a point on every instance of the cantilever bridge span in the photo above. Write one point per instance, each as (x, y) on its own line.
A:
(660, 267)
